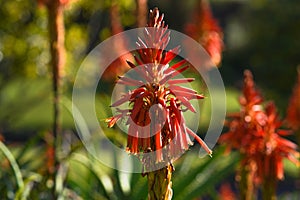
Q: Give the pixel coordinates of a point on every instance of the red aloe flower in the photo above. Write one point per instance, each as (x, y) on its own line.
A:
(255, 133)
(155, 117)
(273, 147)
(293, 111)
(205, 29)
(248, 120)
(226, 192)
(118, 66)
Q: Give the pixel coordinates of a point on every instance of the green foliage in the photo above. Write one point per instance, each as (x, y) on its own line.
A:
(199, 177)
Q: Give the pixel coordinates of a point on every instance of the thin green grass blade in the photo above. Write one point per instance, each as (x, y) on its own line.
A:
(13, 164)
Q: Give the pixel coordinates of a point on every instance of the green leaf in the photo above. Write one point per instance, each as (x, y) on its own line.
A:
(24, 192)
(204, 176)
(13, 164)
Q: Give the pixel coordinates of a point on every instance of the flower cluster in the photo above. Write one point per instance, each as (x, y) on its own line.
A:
(205, 29)
(255, 132)
(293, 111)
(155, 117)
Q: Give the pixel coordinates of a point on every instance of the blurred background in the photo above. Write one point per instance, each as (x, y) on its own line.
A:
(260, 35)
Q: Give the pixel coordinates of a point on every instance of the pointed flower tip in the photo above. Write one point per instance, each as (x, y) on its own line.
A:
(109, 122)
(108, 119)
(207, 149)
(248, 74)
(102, 120)
(130, 64)
(201, 96)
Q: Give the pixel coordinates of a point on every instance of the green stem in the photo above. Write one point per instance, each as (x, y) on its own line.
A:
(57, 50)
(160, 184)
(269, 189)
(141, 12)
(13, 164)
(247, 190)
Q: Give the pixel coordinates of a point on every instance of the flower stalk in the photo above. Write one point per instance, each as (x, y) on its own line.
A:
(204, 28)
(269, 189)
(141, 12)
(56, 30)
(160, 184)
(56, 36)
(246, 186)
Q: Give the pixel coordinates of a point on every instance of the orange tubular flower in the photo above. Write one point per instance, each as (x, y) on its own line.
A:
(248, 121)
(293, 111)
(205, 29)
(226, 192)
(255, 133)
(162, 129)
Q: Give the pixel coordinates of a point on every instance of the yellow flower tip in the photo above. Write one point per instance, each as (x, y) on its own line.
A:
(110, 122)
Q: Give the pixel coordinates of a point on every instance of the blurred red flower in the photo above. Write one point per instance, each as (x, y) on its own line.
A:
(205, 29)
(293, 111)
(118, 66)
(226, 192)
(255, 132)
